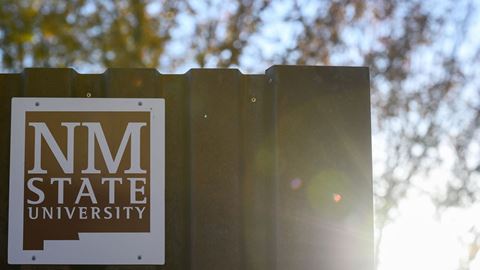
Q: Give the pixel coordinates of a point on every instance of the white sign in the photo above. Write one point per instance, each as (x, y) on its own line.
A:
(87, 181)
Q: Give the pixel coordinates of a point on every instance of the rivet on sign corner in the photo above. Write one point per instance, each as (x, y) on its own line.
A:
(33, 258)
(205, 116)
(253, 99)
(37, 103)
(139, 257)
(140, 103)
(89, 94)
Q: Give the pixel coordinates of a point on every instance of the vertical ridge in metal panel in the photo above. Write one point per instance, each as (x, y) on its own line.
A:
(321, 114)
(215, 183)
(10, 86)
(177, 185)
(258, 159)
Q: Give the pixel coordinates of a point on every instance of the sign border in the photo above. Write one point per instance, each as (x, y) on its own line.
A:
(91, 248)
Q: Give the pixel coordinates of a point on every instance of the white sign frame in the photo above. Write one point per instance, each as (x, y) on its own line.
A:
(91, 248)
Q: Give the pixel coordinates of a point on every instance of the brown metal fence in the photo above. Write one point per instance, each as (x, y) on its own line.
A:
(262, 171)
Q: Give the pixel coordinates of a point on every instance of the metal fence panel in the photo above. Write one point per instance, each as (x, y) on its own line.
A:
(262, 171)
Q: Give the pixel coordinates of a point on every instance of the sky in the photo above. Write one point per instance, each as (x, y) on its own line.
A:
(420, 238)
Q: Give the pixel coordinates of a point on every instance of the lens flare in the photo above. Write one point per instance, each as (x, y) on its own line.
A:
(337, 197)
(296, 184)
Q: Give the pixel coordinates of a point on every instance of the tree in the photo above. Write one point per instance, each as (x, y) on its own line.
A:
(424, 92)
(82, 32)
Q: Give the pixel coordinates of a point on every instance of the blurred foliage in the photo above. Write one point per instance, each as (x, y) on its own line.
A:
(65, 33)
(425, 100)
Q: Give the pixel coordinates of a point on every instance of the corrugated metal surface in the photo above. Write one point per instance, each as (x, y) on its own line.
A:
(253, 162)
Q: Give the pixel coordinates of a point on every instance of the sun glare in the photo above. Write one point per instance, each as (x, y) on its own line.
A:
(417, 241)
(337, 197)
